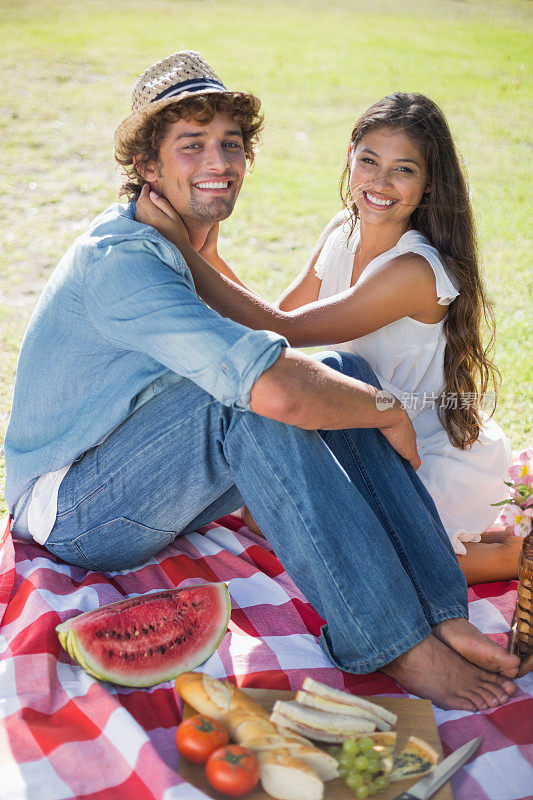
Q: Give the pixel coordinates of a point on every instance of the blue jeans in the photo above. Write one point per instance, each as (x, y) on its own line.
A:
(346, 515)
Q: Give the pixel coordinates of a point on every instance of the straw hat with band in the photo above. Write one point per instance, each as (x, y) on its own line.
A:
(171, 80)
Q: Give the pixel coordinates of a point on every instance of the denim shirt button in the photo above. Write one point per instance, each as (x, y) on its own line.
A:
(225, 369)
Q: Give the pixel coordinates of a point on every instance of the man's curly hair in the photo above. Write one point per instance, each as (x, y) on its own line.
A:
(144, 143)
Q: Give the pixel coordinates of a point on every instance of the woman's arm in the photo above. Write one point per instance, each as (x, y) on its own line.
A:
(209, 251)
(405, 286)
(306, 286)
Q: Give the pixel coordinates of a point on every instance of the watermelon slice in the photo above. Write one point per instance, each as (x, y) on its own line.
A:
(151, 638)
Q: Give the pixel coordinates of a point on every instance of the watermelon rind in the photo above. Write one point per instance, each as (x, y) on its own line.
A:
(68, 634)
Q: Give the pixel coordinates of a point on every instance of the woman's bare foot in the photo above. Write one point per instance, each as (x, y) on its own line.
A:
(468, 641)
(432, 670)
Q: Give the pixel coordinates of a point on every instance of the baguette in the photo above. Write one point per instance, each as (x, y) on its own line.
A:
(215, 698)
(244, 725)
(257, 734)
(312, 686)
(287, 778)
(323, 763)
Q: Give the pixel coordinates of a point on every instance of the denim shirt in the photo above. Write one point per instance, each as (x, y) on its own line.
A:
(119, 318)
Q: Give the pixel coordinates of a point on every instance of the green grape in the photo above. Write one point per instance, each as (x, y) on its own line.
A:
(347, 759)
(354, 780)
(362, 792)
(344, 771)
(381, 781)
(351, 746)
(374, 765)
(366, 744)
(361, 763)
(335, 751)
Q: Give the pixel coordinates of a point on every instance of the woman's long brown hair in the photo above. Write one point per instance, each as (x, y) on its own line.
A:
(445, 218)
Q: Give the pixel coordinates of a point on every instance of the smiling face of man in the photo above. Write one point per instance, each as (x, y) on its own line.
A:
(201, 168)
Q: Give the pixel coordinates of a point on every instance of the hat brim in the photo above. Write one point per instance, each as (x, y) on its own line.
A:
(128, 126)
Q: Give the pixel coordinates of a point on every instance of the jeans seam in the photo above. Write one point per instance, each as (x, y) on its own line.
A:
(160, 438)
(449, 613)
(288, 496)
(397, 542)
(89, 496)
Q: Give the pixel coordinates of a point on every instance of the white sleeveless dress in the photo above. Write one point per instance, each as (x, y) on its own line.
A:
(408, 357)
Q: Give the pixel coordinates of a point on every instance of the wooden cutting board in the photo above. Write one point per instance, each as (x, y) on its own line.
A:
(415, 718)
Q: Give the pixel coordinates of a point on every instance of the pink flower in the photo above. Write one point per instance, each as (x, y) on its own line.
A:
(524, 468)
(519, 518)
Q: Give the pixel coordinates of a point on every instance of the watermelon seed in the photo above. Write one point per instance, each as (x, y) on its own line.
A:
(119, 636)
(99, 634)
(152, 627)
(127, 635)
(110, 653)
(162, 648)
(137, 633)
(151, 652)
(144, 630)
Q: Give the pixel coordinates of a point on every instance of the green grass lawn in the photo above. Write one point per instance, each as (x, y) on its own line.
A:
(68, 67)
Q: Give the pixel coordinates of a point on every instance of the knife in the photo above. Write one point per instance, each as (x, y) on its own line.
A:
(442, 772)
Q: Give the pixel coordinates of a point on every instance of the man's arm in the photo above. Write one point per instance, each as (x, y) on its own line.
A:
(301, 391)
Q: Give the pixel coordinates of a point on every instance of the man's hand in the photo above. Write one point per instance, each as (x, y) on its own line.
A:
(402, 437)
(156, 211)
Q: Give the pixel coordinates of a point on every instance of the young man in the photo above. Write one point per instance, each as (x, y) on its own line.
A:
(139, 413)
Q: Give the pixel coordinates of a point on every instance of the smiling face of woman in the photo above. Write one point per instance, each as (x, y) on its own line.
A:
(388, 176)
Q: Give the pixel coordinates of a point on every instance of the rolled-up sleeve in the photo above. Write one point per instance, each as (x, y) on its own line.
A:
(139, 296)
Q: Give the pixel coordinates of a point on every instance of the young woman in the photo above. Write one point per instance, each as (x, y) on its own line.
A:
(395, 278)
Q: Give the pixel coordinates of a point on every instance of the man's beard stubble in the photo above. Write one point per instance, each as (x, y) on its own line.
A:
(218, 209)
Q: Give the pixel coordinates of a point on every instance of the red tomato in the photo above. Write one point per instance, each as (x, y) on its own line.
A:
(198, 736)
(232, 770)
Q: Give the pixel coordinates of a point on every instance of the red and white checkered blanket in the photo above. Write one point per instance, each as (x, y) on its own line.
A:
(64, 735)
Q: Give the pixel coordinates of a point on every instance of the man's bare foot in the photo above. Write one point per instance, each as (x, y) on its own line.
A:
(250, 522)
(432, 670)
(468, 641)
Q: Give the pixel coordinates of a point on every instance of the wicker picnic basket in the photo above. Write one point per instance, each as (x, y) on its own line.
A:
(521, 636)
